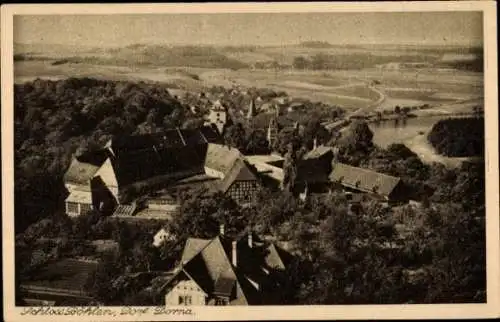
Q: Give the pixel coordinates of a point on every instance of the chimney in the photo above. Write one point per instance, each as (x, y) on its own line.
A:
(234, 255)
(221, 230)
(250, 239)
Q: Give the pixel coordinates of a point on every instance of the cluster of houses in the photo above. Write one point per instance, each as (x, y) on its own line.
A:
(241, 270)
(141, 177)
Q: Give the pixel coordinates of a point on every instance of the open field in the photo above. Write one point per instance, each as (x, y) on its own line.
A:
(193, 68)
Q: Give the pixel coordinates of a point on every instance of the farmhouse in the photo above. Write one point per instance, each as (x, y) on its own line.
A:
(367, 181)
(241, 182)
(78, 179)
(225, 271)
(129, 167)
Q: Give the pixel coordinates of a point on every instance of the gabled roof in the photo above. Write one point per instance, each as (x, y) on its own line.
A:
(82, 168)
(364, 179)
(318, 152)
(221, 157)
(241, 171)
(207, 262)
(141, 157)
(192, 248)
(224, 285)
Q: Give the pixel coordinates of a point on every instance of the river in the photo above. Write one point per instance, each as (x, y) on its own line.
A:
(413, 133)
(398, 131)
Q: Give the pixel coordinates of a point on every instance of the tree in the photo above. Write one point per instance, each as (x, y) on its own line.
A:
(319, 61)
(300, 62)
(356, 144)
(235, 136)
(257, 142)
(99, 283)
(290, 169)
(397, 109)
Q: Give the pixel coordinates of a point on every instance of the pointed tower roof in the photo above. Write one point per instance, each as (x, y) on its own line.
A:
(251, 109)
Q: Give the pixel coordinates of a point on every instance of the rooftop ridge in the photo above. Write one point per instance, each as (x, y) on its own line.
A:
(365, 170)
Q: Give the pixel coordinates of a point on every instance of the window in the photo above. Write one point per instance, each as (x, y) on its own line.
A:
(72, 207)
(221, 301)
(85, 207)
(185, 300)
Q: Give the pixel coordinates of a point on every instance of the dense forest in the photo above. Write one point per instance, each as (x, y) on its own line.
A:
(458, 137)
(55, 119)
(431, 253)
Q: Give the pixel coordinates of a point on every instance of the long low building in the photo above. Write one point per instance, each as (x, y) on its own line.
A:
(368, 181)
(59, 283)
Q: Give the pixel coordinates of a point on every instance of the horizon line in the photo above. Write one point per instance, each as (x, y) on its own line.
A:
(288, 44)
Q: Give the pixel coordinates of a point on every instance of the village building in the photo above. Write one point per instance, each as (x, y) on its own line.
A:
(108, 177)
(314, 170)
(218, 116)
(241, 183)
(225, 271)
(141, 165)
(78, 182)
(378, 185)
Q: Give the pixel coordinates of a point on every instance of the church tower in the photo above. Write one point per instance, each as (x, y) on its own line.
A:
(272, 132)
(218, 116)
(251, 110)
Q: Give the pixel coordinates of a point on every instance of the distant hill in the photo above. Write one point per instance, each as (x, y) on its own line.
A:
(316, 44)
(137, 54)
(322, 55)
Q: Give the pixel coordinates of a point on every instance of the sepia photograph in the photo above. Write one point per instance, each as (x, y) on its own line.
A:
(165, 160)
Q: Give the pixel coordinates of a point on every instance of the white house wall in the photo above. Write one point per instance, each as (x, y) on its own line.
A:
(107, 174)
(186, 288)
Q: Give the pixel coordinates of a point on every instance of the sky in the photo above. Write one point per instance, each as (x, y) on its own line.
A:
(426, 28)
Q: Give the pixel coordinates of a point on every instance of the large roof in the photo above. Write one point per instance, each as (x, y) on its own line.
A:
(174, 138)
(240, 171)
(208, 263)
(318, 152)
(82, 168)
(141, 157)
(364, 179)
(221, 157)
